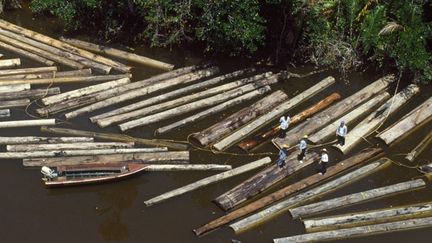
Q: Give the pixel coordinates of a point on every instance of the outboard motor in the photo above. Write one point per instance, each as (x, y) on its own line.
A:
(48, 173)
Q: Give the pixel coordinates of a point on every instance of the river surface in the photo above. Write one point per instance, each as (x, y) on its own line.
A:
(115, 212)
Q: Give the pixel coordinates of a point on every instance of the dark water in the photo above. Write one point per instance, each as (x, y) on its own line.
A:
(115, 212)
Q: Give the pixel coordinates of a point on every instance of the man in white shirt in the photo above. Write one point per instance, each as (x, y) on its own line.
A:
(284, 124)
(302, 147)
(323, 161)
(341, 133)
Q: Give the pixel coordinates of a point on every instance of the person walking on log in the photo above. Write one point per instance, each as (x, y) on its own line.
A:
(283, 154)
(303, 147)
(341, 132)
(284, 124)
(323, 161)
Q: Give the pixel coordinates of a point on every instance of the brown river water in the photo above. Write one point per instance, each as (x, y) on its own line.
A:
(115, 212)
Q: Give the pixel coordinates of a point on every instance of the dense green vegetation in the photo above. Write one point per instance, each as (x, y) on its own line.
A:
(339, 33)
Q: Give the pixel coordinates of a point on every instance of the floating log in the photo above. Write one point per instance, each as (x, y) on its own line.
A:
(409, 123)
(308, 195)
(13, 88)
(64, 46)
(199, 104)
(166, 96)
(368, 217)
(66, 146)
(261, 138)
(52, 51)
(31, 94)
(366, 108)
(32, 139)
(208, 180)
(10, 63)
(14, 103)
(118, 53)
(214, 110)
(195, 167)
(263, 180)
(239, 118)
(319, 207)
(27, 123)
(273, 114)
(80, 72)
(184, 79)
(78, 152)
(332, 113)
(36, 50)
(377, 117)
(66, 79)
(84, 91)
(411, 156)
(115, 137)
(27, 70)
(359, 231)
(27, 54)
(5, 113)
(288, 190)
(178, 157)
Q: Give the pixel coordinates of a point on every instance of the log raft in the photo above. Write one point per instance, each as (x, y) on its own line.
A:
(262, 181)
(32, 139)
(332, 113)
(409, 123)
(194, 167)
(208, 180)
(177, 157)
(372, 121)
(261, 138)
(27, 54)
(359, 231)
(288, 190)
(28, 123)
(66, 146)
(273, 114)
(302, 197)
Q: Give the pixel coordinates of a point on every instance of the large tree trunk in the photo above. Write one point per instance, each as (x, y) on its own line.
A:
(32, 139)
(273, 114)
(27, 123)
(261, 138)
(66, 146)
(13, 88)
(335, 111)
(14, 103)
(289, 190)
(27, 70)
(7, 63)
(27, 54)
(67, 79)
(31, 94)
(208, 180)
(54, 74)
(194, 167)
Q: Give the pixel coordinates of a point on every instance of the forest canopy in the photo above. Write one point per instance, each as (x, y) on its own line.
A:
(346, 34)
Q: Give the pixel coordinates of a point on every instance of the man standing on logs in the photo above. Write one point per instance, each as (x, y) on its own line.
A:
(323, 161)
(284, 124)
(283, 154)
(303, 147)
(341, 132)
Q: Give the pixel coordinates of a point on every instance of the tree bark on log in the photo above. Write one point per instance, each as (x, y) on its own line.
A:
(289, 190)
(301, 198)
(411, 156)
(261, 138)
(32, 139)
(66, 146)
(208, 180)
(377, 117)
(199, 104)
(332, 113)
(27, 70)
(27, 123)
(238, 119)
(408, 124)
(14, 103)
(27, 54)
(178, 157)
(184, 79)
(366, 108)
(118, 53)
(7, 63)
(368, 217)
(67, 79)
(13, 88)
(319, 207)
(165, 96)
(214, 110)
(54, 74)
(359, 231)
(31, 94)
(115, 137)
(194, 167)
(263, 180)
(5, 113)
(273, 114)
(64, 46)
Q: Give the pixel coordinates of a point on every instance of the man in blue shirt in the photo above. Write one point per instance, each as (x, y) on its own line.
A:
(302, 147)
(283, 154)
